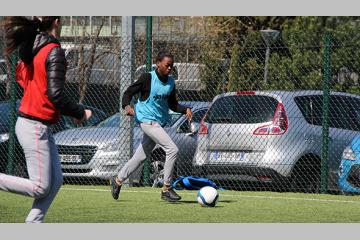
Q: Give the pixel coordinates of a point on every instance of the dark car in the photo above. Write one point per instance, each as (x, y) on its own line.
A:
(5, 121)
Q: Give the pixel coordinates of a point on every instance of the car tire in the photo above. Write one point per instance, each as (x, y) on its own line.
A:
(156, 168)
(157, 173)
(306, 176)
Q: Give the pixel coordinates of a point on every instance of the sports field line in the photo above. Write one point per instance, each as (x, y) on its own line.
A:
(225, 195)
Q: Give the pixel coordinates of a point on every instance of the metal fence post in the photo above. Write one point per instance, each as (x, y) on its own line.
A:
(148, 68)
(127, 60)
(325, 114)
(11, 142)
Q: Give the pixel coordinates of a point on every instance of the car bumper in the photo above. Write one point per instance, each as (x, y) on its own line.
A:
(103, 172)
(94, 163)
(349, 176)
(238, 173)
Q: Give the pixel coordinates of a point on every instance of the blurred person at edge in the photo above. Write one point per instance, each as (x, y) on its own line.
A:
(157, 96)
(41, 73)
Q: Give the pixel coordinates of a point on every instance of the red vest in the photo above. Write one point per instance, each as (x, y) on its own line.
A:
(33, 79)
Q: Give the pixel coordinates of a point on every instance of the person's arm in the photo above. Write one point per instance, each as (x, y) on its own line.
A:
(174, 104)
(139, 86)
(18, 76)
(176, 107)
(55, 71)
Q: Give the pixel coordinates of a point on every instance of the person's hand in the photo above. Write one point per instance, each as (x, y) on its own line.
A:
(129, 110)
(189, 114)
(86, 116)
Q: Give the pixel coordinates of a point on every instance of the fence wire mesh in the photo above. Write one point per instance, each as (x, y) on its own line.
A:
(258, 104)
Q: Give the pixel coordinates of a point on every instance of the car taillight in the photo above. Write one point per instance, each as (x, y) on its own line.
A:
(203, 129)
(279, 124)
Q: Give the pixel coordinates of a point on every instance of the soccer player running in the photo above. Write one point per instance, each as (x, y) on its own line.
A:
(41, 73)
(157, 95)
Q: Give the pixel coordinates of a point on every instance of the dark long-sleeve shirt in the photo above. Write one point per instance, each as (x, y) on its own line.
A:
(143, 86)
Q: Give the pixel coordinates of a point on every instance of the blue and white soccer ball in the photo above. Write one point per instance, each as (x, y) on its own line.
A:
(207, 196)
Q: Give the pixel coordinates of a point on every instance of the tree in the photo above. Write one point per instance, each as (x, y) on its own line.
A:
(86, 62)
(234, 83)
(296, 59)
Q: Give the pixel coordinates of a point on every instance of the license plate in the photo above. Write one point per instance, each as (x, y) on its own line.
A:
(227, 156)
(70, 158)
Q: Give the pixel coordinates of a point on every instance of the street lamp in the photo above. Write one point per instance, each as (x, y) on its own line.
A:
(269, 36)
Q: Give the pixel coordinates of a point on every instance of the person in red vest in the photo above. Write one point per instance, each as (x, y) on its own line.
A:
(41, 73)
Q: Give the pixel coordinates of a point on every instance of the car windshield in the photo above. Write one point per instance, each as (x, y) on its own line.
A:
(245, 109)
(113, 121)
(173, 117)
(67, 122)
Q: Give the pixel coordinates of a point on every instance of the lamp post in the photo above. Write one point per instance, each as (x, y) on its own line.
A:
(269, 36)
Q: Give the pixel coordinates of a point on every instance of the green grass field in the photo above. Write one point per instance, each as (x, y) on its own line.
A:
(94, 204)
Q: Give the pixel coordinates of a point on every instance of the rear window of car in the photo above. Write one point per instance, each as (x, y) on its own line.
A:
(344, 111)
(246, 109)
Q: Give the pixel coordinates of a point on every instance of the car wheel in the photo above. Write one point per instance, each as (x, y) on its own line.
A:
(306, 176)
(157, 173)
(156, 168)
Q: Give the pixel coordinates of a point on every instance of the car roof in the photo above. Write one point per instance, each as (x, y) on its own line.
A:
(195, 104)
(281, 95)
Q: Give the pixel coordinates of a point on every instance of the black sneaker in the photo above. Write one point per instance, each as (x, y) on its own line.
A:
(170, 195)
(115, 188)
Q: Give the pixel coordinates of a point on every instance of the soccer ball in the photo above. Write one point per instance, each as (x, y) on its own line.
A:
(207, 196)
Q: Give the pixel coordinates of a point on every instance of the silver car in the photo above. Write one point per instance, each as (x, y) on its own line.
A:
(274, 137)
(95, 152)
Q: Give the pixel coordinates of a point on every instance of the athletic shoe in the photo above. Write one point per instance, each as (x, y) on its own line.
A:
(170, 195)
(115, 188)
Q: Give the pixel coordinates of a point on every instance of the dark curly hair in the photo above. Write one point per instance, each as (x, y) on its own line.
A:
(163, 54)
(21, 32)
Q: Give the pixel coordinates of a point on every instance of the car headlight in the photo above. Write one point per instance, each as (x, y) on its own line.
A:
(4, 137)
(349, 154)
(115, 146)
(110, 147)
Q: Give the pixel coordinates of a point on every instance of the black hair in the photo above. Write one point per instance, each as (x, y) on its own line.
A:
(163, 54)
(21, 32)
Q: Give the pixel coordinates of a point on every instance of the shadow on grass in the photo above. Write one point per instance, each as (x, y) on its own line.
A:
(227, 201)
(196, 203)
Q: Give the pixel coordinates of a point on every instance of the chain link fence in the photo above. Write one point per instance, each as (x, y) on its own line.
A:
(272, 111)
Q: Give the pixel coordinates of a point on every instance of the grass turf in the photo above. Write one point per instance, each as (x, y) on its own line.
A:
(94, 204)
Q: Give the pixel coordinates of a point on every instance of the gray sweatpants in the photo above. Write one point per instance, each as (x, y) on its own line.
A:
(43, 165)
(153, 134)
